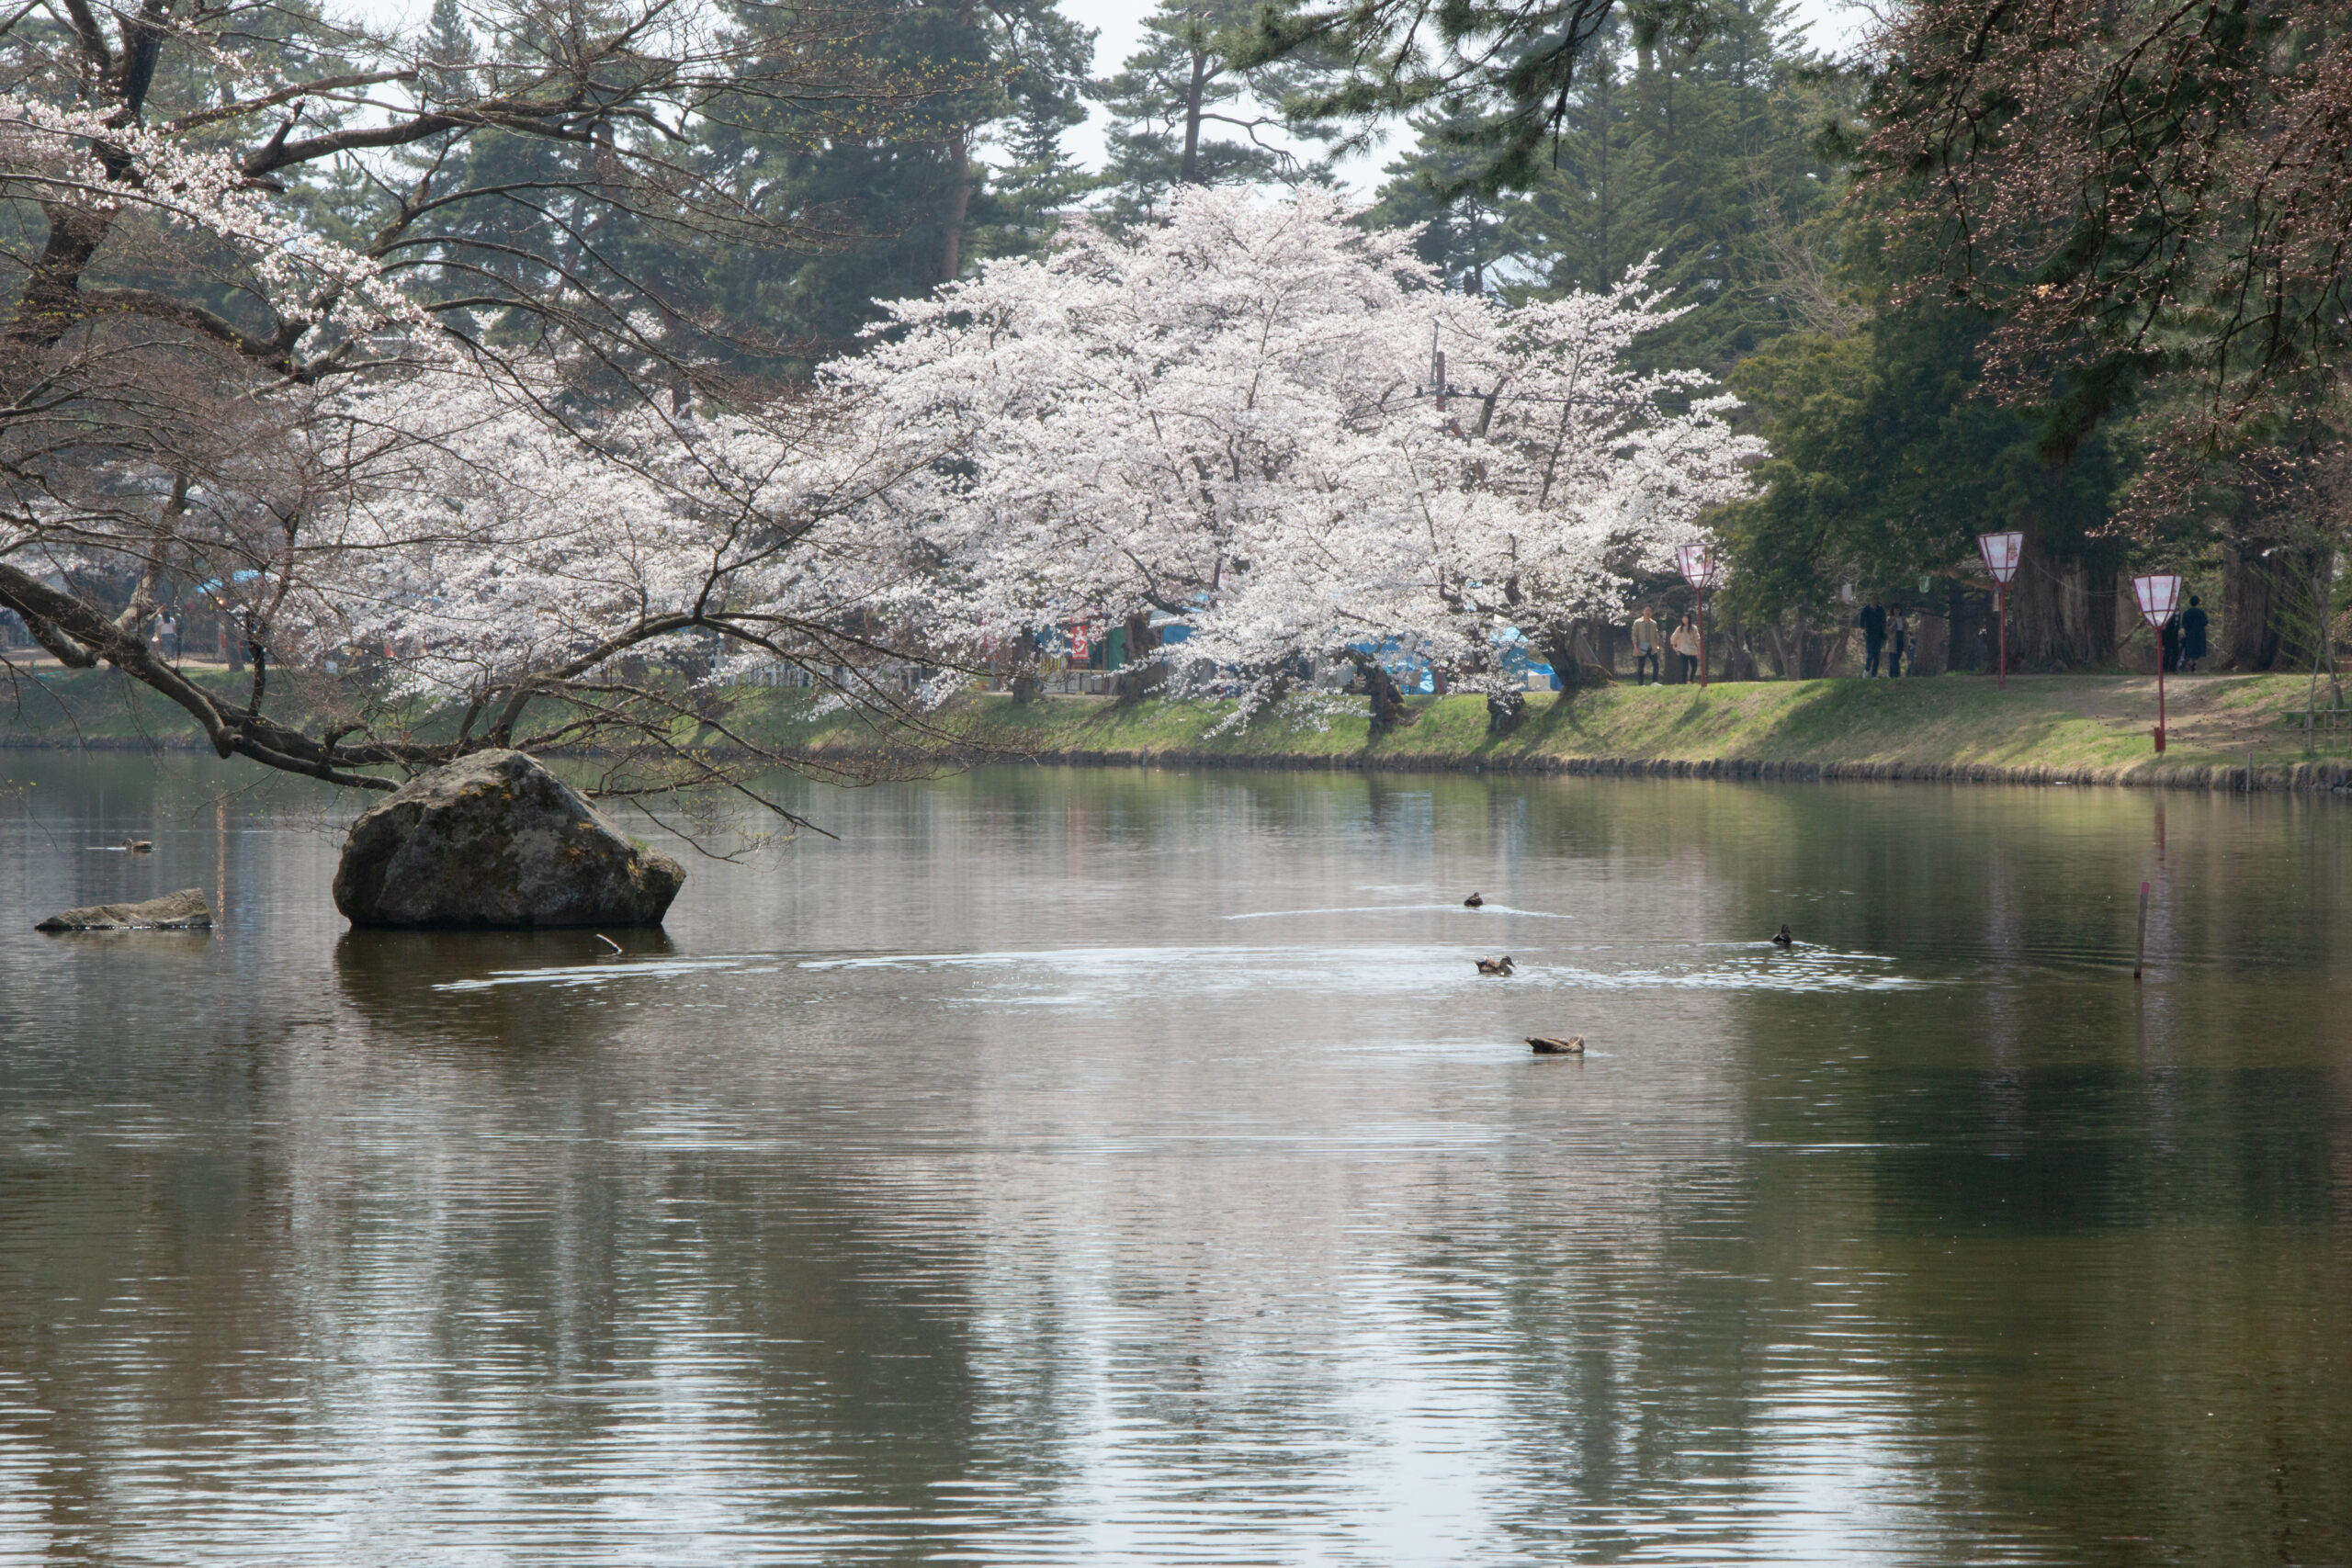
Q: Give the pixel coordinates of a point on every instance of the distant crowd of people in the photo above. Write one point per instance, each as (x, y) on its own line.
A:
(1890, 637)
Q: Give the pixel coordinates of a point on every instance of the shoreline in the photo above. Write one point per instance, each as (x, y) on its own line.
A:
(2072, 730)
(2322, 776)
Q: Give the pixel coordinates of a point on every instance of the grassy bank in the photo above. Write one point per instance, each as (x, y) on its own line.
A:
(2064, 728)
(2070, 728)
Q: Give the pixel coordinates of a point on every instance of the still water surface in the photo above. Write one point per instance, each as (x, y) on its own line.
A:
(1130, 1166)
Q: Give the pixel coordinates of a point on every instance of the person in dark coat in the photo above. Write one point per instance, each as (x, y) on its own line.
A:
(2192, 633)
(1872, 621)
(2169, 638)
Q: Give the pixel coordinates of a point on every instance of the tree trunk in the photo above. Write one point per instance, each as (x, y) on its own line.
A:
(951, 263)
(1963, 629)
(1740, 651)
(1188, 170)
(1604, 644)
(2061, 613)
(1387, 704)
(959, 203)
(2249, 606)
(2263, 593)
(1560, 650)
(51, 301)
(1143, 671)
(1824, 651)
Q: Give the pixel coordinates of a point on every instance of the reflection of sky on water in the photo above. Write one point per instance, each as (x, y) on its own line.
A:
(1101, 1167)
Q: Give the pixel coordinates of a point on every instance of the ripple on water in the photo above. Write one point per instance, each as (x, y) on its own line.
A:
(1178, 970)
(1052, 1172)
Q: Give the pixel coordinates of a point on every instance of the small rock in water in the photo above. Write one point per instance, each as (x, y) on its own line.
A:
(494, 841)
(183, 911)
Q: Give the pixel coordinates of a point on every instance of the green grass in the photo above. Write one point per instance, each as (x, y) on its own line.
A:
(2077, 726)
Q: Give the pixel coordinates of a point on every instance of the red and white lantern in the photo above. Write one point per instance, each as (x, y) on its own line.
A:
(2159, 596)
(1696, 564)
(2003, 553)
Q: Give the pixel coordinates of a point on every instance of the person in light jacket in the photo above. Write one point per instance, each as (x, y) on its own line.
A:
(1686, 643)
(1646, 647)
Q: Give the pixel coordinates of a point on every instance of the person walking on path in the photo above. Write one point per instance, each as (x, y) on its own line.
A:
(1873, 620)
(1898, 634)
(1686, 643)
(2168, 641)
(2192, 633)
(1646, 650)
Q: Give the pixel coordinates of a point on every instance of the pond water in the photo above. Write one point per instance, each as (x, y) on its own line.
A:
(1131, 1167)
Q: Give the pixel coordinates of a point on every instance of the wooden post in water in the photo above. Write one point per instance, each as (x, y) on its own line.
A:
(2140, 956)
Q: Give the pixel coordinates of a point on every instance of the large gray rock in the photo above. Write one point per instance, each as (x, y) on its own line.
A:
(183, 911)
(495, 841)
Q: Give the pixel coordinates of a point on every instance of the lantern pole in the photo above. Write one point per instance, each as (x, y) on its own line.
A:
(1697, 562)
(2159, 596)
(2001, 600)
(2160, 699)
(2002, 553)
(1702, 639)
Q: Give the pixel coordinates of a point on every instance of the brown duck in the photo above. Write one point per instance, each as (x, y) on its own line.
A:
(1783, 938)
(1472, 901)
(1548, 1045)
(1494, 965)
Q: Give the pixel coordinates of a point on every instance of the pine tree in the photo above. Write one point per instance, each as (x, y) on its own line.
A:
(1700, 158)
(450, 49)
(1185, 109)
(1038, 179)
(1475, 240)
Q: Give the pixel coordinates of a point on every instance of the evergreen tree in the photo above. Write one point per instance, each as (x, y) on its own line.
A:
(1186, 109)
(1038, 179)
(449, 52)
(1700, 157)
(1475, 239)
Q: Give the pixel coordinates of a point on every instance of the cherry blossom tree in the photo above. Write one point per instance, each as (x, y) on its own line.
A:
(367, 346)
(1232, 418)
(515, 486)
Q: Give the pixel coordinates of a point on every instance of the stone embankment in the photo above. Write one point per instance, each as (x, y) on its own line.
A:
(2322, 776)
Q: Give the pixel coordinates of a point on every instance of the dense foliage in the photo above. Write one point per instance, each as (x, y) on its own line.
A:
(557, 362)
(1227, 417)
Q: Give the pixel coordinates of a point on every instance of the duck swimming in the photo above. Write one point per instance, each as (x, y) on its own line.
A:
(1782, 937)
(1548, 1045)
(1472, 901)
(1494, 965)
(139, 846)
